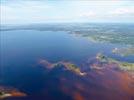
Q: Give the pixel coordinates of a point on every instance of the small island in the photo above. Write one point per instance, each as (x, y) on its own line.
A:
(124, 51)
(125, 66)
(66, 65)
(6, 92)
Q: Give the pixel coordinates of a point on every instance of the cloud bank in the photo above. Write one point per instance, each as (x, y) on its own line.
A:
(30, 11)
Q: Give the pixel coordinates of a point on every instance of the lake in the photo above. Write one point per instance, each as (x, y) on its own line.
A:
(26, 51)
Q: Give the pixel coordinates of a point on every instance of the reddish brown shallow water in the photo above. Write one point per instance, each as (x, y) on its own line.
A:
(100, 82)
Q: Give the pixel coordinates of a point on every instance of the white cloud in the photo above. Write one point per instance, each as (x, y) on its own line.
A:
(41, 11)
(24, 12)
(88, 14)
(122, 11)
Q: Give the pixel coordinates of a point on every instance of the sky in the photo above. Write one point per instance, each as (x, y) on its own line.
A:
(62, 11)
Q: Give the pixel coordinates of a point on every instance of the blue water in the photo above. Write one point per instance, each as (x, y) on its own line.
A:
(21, 50)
